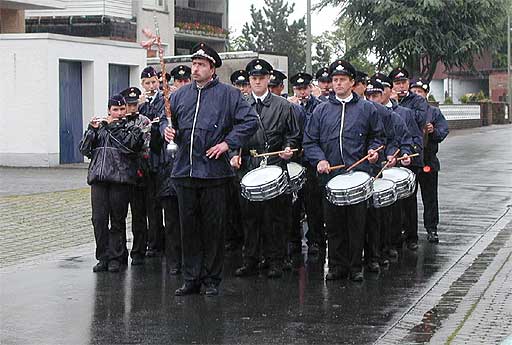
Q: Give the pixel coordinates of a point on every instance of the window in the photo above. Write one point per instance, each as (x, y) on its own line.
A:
(159, 5)
(192, 3)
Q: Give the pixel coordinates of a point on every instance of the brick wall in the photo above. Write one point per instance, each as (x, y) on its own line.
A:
(498, 86)
(12, 21)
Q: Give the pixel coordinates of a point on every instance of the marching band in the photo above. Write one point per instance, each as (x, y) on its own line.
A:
(206, 166)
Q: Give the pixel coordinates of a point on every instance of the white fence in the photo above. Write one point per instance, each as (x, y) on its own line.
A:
(460, 112)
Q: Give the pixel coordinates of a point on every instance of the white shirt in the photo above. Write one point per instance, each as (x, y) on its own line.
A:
(345, 100)
(262, 97)
(389, 104)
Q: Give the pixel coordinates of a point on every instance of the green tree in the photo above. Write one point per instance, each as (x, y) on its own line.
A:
(419, 34)
(270, 31)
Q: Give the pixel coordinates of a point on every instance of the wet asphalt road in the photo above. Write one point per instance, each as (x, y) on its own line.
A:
(60, 301)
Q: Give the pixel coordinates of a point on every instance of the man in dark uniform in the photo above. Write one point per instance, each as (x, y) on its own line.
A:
(266, 220)
(152, 106)
(276, 83)
(312, 193)
(436, 130)
(209, 118)
(324, 83)
(400, 78)
(240, 80)
(341, 131)
(138, 194)
(181, 76)
(161, 81)
(111, 144)
(397, 137)
(361, 81)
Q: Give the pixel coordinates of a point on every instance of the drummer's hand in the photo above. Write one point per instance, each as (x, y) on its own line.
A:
(406, 161)
(287, 154)
(429, 127)
(217, 150)
(323, 167)
(169, 134)
(373, 156)
(294, 99)
(236, 162)
(392, 161)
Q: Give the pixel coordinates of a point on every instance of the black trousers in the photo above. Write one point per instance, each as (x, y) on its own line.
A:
(396, 226)
(265, 226)
(428, 184)
(378, 232)
(313, 203)
(138, 197)
(294, 237)
(109, 204)
(410, 212)
(234, 232)
(345, 235)
(172, 231)
(202, 219)
(155, 215)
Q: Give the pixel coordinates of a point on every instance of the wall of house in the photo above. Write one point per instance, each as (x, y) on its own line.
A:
(29, 93)
(113, 8)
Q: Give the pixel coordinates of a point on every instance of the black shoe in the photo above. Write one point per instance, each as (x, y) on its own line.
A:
(275, 272)
(211, 290)
(313, 249)
(188, 289)
(101, 266)
(432, 237)
(175, 271)
(287, 266)
(392, 253)
(137, 261)
(114, 266)
(384, 263)
(263, 265)
(412, 246)
(334, 274)
(373, 267)
(153, 253)
(357, 276)
(246, 270)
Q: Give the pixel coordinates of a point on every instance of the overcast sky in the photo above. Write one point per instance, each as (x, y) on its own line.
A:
(239, 14)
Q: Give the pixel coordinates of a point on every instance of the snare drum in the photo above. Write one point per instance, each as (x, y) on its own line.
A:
(263, 183)
(349, 189)
(404, 179)
(384, 193)
(297, 177)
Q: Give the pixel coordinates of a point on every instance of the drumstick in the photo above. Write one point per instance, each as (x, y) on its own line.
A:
(240, 156)
(364, 158)
(410, 156)
(256, 155)
(336, 167)
(387, 163)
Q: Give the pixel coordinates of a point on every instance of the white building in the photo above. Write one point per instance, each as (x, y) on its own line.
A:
(52, 85)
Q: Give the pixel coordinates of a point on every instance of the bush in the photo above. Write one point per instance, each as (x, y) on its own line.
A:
(431, 98)
(448, 100)
(474, 97)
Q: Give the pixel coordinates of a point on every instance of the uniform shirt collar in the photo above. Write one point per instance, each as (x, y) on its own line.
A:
(262, 98)
(345, 100)
(389, 104)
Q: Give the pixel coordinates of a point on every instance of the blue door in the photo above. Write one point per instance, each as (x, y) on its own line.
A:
(70, 111)
(118, 78)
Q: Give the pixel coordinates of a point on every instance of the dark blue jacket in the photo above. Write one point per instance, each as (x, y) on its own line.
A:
(153, 110)
(204, 118)
(418, 105)
(326, 139)
(395, 131)
(416, 132)
(437, 119)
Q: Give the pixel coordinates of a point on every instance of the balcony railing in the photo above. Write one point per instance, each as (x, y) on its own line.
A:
(189, 15)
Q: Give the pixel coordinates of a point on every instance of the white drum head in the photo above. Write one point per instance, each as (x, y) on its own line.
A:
(347, 181)
(294, 169)
(261, 176)
(382, 184)
(395, 174)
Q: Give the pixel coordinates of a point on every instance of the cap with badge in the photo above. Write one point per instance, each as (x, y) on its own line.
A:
(342, 67)
(181, 72)
(258, 67)
(361, 77)
(148, 72)
(116, 100)
(240, 77)
(420, 83)
(383, 79)
(399, 73)
(167, 77)
(374, 86)
(203, 51)
(322, 75)
(276, 78)
(301, 79)
(131, 95)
